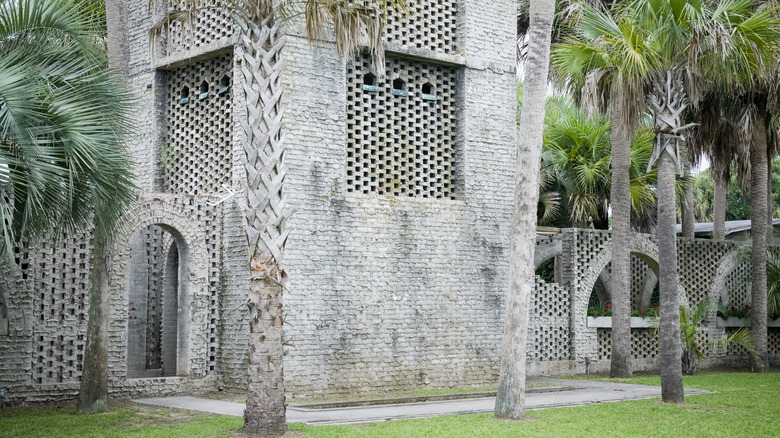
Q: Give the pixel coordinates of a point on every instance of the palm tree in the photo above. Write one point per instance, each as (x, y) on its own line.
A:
(690, 39)
(261, 26)
(62, 120)
(608, 61)
(510, 399)
(745, 84)
(576, 160)
(691, 338)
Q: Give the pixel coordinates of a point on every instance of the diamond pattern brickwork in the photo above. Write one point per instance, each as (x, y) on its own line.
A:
(644, 344)
(401, 132)
(549, 343)
(210, 24)
(429, 25)
(698, 262)
(196, 157)
(549, 336)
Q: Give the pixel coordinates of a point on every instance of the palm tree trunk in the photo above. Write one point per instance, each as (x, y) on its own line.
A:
(769, 206)
(667, 102)
(670, 344)
(265, 211)
(719, 209)
(93, 389)
(265, 413)
(758, 214)
(620, 364)
(688, 218)
(510, 399)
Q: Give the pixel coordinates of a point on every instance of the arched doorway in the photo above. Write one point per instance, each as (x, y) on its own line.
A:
(156, 333)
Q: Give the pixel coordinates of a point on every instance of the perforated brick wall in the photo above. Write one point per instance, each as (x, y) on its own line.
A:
(698, 262)
(428, 24)
(197, 154)
(63, 272)
(644, 344)
(210, 24)
(401, 130)
(549, 334)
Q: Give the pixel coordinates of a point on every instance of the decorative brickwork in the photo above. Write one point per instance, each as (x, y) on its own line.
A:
(401, 130)
(197, 154)
(208, 25)
(428, 25)
(63, 273)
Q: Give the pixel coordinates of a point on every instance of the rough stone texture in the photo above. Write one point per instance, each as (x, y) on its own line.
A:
(385, 292)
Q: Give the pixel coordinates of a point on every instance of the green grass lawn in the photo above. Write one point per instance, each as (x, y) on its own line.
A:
(745, 405)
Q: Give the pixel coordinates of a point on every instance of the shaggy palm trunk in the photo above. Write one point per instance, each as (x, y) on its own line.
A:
(758, 214)
(620, 364)
(264, 209)
(510, 399)
(719, 209)
(670, 344)
(93, 389)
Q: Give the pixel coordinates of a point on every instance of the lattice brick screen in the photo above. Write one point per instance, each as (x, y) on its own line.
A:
(738, 285)
(644, 344)
(549, 299)
(773, 341)
(196, 155)
(157, 242)
(430, 25)
(63, 273)
(698, 262)
(401, 131)
(210, 24)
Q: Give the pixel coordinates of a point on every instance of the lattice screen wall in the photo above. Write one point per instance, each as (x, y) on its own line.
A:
(196, 156)
(698, 263)
(401, 132)
(644, 344)
(773, 341)
(549, 336)
(430, 25)
(63, 272)
(738, 285)
(208, 25)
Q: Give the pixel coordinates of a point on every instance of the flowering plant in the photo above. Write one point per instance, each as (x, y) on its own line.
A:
(732, 311)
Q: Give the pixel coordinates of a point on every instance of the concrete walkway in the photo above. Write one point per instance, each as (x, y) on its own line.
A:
(565, 393)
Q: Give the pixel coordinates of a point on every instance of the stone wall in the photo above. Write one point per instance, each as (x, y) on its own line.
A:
(398, 255)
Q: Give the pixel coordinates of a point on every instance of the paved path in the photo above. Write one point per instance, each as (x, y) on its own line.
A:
(569, 393)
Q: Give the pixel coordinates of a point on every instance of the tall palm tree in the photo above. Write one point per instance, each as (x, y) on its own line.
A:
(606, 59)
(62, 161)
(510, 398)
(744, 81)
(693, 39)
(261, 27)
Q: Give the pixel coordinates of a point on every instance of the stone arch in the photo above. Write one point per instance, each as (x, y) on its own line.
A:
(546, 251)
(729, 262)
(645, 248)
(192, 254)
